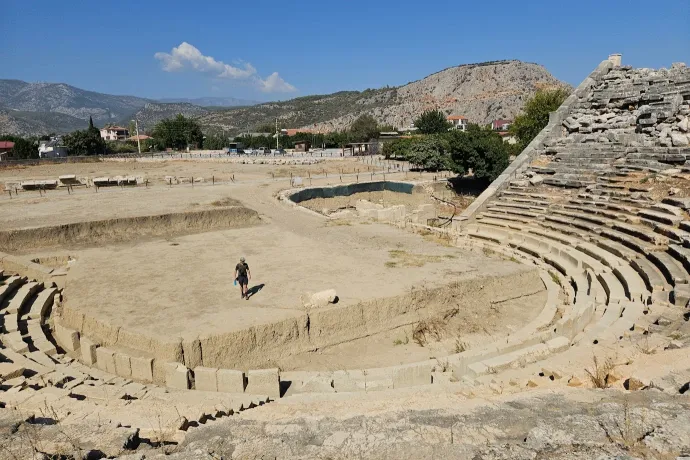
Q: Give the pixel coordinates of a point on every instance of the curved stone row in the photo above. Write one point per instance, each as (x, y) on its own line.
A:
(38, 379)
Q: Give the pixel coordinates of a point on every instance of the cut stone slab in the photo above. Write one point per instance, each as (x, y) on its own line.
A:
(176, 376)
(142, 368)
(123, 367)
(105, 360)
(230, 381)
(264, 382)
(205, 378)
(88, 351)
(67, 338)
(347, 381)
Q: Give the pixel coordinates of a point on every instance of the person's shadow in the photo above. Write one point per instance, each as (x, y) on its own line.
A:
(254, 290)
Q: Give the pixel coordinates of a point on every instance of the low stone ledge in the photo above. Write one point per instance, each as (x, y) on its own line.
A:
(176, 376)
(264, 382)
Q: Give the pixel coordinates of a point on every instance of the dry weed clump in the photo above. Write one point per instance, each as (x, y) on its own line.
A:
(427, 330)
(224, 202)
(600, 374)
(405, 259)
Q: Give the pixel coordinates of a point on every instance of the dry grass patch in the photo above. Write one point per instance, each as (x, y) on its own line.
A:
(401, 258)
(338, 223)
(600, 373)
(227, 201)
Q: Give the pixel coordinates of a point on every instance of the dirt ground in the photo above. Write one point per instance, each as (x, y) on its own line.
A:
(182, 285)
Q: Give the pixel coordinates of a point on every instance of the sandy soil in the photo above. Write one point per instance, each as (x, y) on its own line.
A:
(182, 285)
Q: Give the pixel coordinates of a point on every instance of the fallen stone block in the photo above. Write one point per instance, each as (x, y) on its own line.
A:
(323, 298)
(636, 383)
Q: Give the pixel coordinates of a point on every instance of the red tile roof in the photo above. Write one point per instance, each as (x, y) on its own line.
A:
(457, 117)
(6, 145)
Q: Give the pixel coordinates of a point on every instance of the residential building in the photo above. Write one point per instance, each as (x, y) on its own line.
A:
(52, 148)
(6, 148)
(501, 125)
(302, 146)
(458, 122)
(114, 133)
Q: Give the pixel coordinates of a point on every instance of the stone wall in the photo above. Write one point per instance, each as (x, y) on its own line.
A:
(552, 130)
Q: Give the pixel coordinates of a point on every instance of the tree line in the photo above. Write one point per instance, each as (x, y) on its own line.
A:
(435, 147)
(478, 148)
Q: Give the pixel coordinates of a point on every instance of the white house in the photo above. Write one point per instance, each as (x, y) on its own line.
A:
(52, 148)
(501, 125)
(114, 133)
(458, 122)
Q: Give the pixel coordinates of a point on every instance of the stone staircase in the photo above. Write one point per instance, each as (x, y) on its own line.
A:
(39, 381)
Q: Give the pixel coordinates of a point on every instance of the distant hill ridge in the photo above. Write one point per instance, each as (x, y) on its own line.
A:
(480, 91)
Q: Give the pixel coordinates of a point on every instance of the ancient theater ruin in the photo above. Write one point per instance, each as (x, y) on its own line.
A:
(122, 332)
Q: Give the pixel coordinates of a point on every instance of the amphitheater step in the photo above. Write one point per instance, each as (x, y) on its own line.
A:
(10, 285)
(651, 275)
(670, 267)
(41, 304)
(22, 296)
(662, 217)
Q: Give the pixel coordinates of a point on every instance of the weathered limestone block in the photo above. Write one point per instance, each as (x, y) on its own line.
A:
(264, 382)
(105, 359)
(230, 381)
(68, 339)
(123, 367)
(323, 298)
(412, 374)
(142, 369)
(88, 351)
(192, 353)
(205, 378)
(176, 376)
(679, 140)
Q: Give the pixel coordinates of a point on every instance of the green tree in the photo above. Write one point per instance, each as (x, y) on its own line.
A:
(430, 153)
(85, 142)
(178, 133)
(432, 122)
(397, 148)
(480, 149)
(364, 128)
(535, 114)
(91, 126)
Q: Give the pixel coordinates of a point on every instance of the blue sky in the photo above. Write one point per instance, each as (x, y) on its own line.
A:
(269, 50)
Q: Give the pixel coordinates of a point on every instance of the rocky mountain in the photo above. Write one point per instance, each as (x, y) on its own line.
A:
(67, 100)
(153, 112)
(212, 101)
(481, 92)
(36, 123)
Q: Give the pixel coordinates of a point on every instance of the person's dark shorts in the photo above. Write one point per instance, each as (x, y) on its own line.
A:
(242, 280)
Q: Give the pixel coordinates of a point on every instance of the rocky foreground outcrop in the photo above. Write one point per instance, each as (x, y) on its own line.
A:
(564, 424)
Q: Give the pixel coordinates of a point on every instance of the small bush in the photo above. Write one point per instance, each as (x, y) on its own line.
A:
(599, 375)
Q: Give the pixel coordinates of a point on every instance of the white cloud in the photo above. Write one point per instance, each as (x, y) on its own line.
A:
(187, 56)
(275, 84)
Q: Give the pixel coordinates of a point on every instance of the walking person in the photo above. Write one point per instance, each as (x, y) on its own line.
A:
(243, 275)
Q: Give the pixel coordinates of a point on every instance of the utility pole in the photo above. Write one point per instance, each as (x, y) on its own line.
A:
(277, 136)
(136, 123)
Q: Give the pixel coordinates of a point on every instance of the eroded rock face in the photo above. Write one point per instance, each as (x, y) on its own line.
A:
(575, 424)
